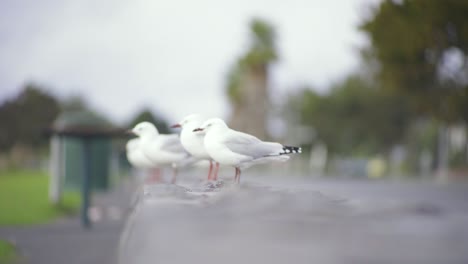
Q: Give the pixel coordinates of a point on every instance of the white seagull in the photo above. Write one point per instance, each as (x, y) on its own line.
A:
(193, 141)
(161, 149)
(135, 155)
(240, 150)
(137, 159)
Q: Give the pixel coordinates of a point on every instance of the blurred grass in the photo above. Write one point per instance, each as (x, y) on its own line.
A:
(24, 199)
(7, 252)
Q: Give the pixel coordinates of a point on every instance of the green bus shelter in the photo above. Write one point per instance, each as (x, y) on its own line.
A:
(72, 149)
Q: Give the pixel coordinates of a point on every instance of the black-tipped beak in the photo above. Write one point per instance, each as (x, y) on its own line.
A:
(130, 133)
(176, 126)
(197, 129)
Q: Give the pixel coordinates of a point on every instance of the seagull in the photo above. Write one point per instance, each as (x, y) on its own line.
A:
(240, 150)
(161, 149)
(137, 159)
(193, 141)
(135, 156)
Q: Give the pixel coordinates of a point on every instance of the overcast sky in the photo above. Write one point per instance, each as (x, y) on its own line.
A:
(171, 56)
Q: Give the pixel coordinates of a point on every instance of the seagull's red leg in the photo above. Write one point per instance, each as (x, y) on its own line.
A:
(157, 175)
(215, 175)
(154, 176)
(237, 177)
(174, 176)
(211, 169)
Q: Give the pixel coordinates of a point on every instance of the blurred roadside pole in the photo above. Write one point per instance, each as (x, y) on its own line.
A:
(397, 158)
(442, 154)
(56, 168)
(425, 161)
(318, 159)
(452, 152)
(458, 141)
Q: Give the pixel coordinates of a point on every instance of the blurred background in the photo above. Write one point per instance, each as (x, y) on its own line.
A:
(371, 89)
(379, 81)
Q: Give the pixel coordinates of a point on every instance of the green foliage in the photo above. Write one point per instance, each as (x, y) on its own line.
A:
(457, 159)
(234, 83)
(413, 41)
(263, 33)
(148, 116)
(82, 118)
(24, 199)
(75, 112)
(261, 52)
(354, 118)
(262, 48)
(7, 252)
(25, 118)
(74, 103)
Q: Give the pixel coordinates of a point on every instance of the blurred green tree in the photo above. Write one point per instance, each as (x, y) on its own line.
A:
(77, 105)
(7, 131)
(73, 103)
(25, 118)
(354, 118)
(148, 116)
(421, 48)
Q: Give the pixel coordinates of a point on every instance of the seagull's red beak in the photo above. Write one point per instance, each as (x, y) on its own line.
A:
(197, 129)
(176, 125)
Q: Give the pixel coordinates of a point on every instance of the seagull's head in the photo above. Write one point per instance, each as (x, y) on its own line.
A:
(212, 124)
(145, 129)
(193, 120)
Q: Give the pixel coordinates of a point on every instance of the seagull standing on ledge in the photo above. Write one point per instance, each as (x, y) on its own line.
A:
(193, 141)
(240, 150)
(138, 160)
(136, 157)
(161, 149)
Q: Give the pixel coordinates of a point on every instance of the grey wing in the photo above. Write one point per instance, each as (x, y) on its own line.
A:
(249, 145)
(171, 143)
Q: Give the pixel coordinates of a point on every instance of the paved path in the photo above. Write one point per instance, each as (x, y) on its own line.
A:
(65, 241)
(280, 221)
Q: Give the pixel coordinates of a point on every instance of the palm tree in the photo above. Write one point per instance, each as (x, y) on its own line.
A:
(247, 85)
